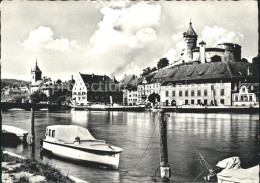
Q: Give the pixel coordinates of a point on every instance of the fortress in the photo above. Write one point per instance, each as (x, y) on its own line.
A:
(222, 53)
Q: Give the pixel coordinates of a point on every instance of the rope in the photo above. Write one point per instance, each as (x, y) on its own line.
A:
(144, 150)
(200, 156)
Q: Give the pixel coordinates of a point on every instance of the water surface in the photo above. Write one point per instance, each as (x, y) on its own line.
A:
(215, 136)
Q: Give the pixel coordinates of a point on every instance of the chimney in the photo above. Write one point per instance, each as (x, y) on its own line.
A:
(114, 78)
(92, 75)
(248, 71)
(202, 52)
(71, 77)
(104, 77)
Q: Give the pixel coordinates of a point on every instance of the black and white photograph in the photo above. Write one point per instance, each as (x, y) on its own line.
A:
(129, 91)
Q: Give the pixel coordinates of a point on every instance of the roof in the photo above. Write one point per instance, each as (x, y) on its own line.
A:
(212, 70)
(37, 83)
(36, 68)
(202, 42)
(149, 77)
(92, 81)
(128, 81)
(161, 75)
(190, 31)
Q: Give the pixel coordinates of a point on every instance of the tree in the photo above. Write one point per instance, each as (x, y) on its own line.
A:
(153, 98)
(20, 98)
(146, 71)
(154, 69)
(255, 60)
(38, 96)
(163, 62)
(244, 60)
(215, 58)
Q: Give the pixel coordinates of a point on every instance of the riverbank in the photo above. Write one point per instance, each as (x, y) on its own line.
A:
(19, 169)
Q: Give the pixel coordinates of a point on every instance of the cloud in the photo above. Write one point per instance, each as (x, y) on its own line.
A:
(44, 37)
(131, 27)
(125, 33)
(215, 35)
(171, 55)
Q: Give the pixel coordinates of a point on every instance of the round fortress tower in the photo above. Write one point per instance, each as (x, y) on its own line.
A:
(190, 39)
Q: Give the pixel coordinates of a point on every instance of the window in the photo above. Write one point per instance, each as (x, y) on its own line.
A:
(251, 98)
(83, 97)
(186, 93)
(186, 102)
(205, 92)
(198, 101)
(192, 101)
(180, 93)
(74, 93)
(50, 132)
(222, 101)
(173, 93)
(222, 92)
(205, 102)
(192, 92)
(199, 93)
(79, 93)
(243, 89)
(83, 93)
(53, 133)
(166, 93)
(46, 132)
(236, 98)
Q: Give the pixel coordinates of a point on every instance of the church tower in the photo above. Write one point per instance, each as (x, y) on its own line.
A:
(190, 41)
(36, 73)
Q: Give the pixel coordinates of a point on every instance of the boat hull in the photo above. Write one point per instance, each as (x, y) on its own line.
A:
(107, 159)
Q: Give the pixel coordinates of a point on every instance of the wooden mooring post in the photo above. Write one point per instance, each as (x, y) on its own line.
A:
(33, 134)
(165, 168)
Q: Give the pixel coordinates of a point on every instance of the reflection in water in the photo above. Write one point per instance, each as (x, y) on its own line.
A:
(215, 136)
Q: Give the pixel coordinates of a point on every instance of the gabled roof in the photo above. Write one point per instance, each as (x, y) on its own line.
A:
(211, 71)
(128, 81)
(90, 79)
(190, 31)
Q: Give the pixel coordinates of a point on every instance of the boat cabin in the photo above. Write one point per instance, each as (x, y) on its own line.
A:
(68, 134)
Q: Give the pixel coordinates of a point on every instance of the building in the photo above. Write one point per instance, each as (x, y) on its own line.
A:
(247, 96)
(52, 89)
(145, 88)
(210, 83)
(207, 76)
(192, 53)
(90, 88)
(128, 86)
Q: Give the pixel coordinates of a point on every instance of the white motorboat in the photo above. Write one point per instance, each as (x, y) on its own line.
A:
(75, 142)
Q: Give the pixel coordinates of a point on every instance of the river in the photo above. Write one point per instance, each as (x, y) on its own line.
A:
(216, 136)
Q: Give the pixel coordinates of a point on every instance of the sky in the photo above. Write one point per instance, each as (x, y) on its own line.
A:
(114, 38)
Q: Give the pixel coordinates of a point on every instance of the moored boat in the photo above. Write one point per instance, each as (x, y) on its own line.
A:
(13, 135)
(75, 142)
